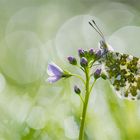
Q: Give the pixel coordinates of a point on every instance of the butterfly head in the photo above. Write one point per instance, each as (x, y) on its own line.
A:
(104, 47)
(102, 44)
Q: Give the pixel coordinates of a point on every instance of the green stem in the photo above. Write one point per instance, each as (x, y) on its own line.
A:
(81, 133)
(81, 99)
(85, 104)
(92, 85)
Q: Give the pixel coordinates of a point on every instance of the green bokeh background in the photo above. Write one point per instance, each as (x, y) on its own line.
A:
(36, 32)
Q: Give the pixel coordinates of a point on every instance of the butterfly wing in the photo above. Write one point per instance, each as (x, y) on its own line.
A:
(123, 71)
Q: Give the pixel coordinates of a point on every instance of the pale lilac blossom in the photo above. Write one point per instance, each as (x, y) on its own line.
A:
(54, 72)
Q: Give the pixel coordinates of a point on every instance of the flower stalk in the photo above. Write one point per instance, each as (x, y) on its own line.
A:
(86, 100)
(81, 133)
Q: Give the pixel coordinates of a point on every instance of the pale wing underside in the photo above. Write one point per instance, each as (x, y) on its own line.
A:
(123, 71)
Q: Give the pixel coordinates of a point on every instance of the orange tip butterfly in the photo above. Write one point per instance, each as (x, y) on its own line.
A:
(122, 70)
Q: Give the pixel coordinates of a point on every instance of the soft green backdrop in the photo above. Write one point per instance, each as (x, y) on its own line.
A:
(36, 32)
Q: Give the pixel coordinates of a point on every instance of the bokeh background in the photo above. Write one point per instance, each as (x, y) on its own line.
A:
(36, 32)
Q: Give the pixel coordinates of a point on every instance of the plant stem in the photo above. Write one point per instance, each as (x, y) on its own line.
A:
(85, 104)
(81, 99)
(81, 133)
(92, 85)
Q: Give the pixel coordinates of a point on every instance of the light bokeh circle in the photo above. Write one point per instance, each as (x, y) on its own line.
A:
(126, 40)
(22, 57)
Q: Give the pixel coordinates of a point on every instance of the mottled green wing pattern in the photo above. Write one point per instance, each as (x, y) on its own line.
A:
(123, 71)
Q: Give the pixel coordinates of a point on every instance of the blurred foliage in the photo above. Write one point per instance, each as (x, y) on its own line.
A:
(35, 32)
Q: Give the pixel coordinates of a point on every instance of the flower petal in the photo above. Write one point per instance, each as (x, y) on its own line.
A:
(53, 79)
(53, 70)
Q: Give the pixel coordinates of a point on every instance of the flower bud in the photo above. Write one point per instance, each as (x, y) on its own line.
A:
(77, 89)
(72, 60)
(91, 52)
(97, 73)
(81, 53)
(83, 62)
(98, 54)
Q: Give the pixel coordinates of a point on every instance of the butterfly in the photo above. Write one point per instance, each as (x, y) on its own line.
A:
(122, 70)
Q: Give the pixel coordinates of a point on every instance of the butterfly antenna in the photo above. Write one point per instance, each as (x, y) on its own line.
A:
(96, 28)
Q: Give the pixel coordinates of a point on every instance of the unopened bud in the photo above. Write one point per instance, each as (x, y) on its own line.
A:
(77, 89)
(91, 52)
(81, 53)
(98, 54)
(83, 62)
(97, 73)
(72, 60)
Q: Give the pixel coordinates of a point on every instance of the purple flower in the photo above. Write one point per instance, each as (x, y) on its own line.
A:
(98, 54)
(54, 72)
(77, 89)
(83, 62)
(91, 51)
(81, 52)
(72, 60)
(97, 73)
